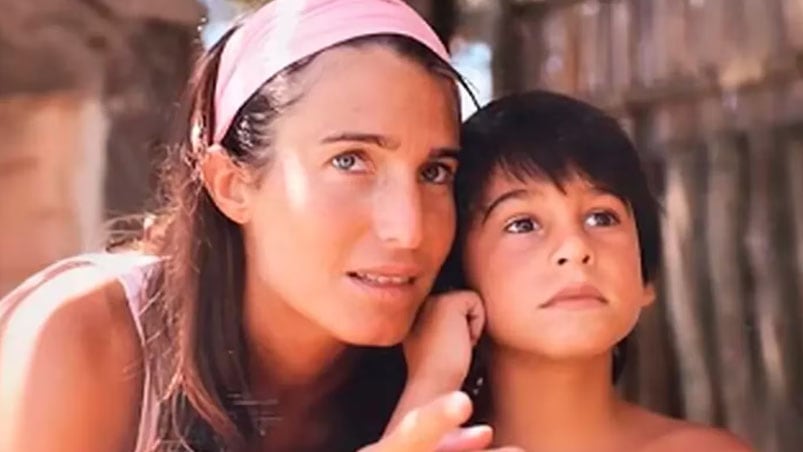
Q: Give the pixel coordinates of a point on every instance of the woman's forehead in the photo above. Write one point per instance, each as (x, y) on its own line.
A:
(371, 89)
(353, 74)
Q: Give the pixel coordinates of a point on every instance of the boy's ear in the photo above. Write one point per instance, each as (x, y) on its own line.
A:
(649, 294)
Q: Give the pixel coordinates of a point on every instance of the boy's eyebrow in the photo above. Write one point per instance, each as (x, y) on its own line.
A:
(512, 194)
(601, 191)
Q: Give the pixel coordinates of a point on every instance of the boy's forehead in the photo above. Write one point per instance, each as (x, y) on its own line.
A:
(502, 181)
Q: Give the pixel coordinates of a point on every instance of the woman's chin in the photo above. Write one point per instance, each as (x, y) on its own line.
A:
(379, 335)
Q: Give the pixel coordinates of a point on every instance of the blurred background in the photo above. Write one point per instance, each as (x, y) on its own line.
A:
(711, 91)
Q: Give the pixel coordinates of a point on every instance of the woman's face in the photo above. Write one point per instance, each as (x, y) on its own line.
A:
(558, 268)
(354, 215)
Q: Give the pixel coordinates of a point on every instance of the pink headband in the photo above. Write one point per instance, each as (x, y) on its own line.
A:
(286, 31)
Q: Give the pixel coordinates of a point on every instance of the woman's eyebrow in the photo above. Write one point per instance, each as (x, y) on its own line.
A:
(375, 139)
(385, 142)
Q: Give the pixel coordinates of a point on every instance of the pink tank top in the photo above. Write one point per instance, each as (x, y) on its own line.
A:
(131, 270)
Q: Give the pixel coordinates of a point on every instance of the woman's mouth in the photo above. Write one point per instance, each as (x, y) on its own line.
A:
(380, 279)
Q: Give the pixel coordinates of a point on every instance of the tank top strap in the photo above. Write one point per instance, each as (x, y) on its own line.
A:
(131, 270)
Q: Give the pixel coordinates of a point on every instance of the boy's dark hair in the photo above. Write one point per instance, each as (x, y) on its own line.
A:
(550, 136)
(540, 134)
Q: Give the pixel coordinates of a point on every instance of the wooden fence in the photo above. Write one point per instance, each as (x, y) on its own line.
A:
(712, 92)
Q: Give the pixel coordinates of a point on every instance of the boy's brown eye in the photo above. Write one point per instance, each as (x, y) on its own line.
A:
(601, 218)
(521, 226)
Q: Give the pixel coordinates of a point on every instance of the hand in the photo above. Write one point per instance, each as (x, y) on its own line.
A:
(435, 427)
(438, 349)
(438, 353)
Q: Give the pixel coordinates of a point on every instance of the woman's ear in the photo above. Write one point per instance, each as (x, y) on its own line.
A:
(228, 184)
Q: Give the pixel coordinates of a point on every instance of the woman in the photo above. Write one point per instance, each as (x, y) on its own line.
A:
(308, 209)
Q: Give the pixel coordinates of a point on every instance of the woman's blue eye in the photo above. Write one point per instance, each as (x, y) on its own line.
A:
(602, 218)
(349, 161)
(521, 226)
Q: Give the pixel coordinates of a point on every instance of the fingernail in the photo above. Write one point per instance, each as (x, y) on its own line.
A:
(457, 402)
(477, 430)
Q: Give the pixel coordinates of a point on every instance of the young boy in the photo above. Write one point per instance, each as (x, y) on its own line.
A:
(559, 235)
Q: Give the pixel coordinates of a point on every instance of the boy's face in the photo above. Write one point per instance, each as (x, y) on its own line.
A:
(559, 271)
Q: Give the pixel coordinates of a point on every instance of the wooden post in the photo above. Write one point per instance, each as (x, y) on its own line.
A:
(768, 299)
(794, 178)
(683, 296)
(725, 219)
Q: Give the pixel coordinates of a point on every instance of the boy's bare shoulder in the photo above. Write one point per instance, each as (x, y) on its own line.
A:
(689, 436)
(667, 434)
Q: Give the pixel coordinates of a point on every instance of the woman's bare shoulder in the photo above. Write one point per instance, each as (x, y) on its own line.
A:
(70, 361)
(667, 434)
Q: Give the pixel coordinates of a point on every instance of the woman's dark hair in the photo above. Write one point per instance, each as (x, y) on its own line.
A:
(195, 349)
(550, 136)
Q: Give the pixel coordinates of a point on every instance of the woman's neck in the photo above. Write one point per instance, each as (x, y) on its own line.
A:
(288, 353)
(542, 404)
(294, 366)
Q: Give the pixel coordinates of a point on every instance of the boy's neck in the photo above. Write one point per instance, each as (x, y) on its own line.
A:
(546, 405)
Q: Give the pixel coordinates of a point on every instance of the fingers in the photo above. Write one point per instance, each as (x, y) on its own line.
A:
(476, 316)
(423, 429)
(467, 439)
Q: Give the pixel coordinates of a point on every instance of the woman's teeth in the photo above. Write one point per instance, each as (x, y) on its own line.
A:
(384, 279)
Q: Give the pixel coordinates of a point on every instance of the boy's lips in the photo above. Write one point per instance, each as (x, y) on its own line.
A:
(576, 296)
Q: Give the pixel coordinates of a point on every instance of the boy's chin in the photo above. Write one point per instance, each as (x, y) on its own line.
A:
(562, 349)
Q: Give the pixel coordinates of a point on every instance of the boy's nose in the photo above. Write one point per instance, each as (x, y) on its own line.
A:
(573, 249)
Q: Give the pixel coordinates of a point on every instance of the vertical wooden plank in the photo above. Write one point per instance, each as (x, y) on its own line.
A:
(674, 37)
(768, 296)
(682, 296)
(791, 213)
(794, 178)
(651, 374)
(622, 45)
(765, 33)
(508, 76)
(706, 34)
(647, 54)
(559, 34)
(661, 37)
(793, 22)
(593, 47)
(725, 218)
